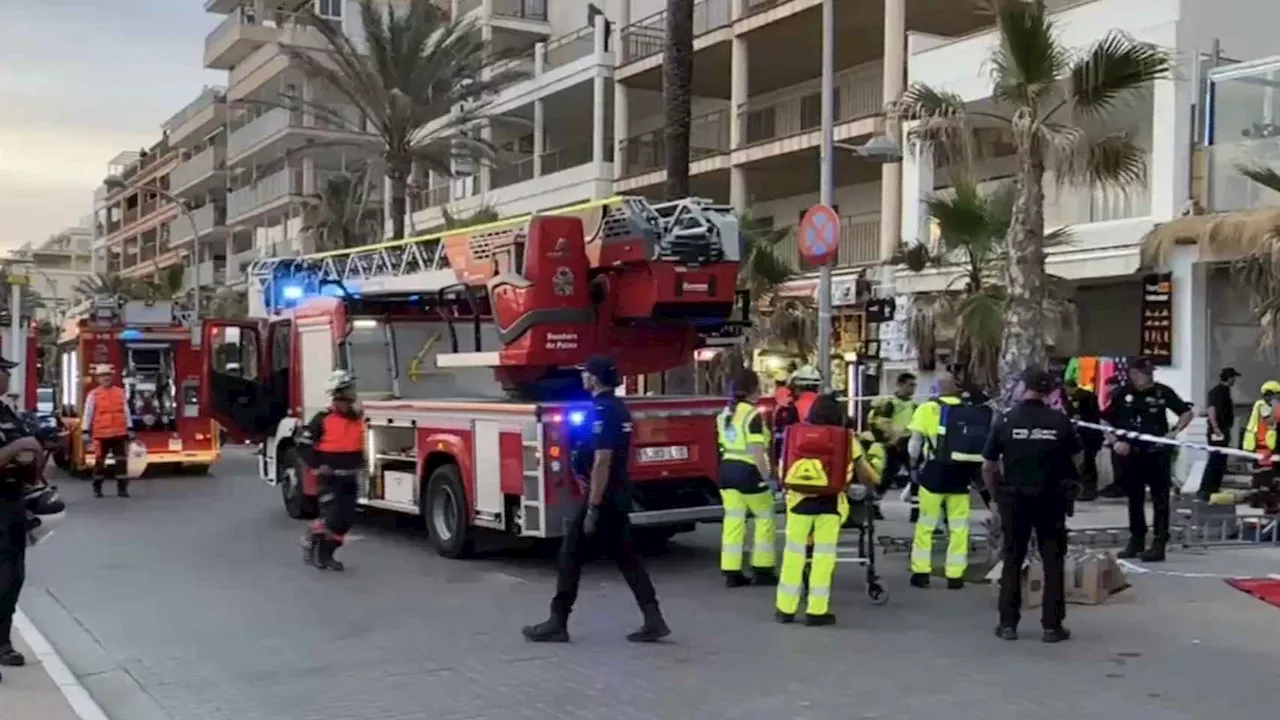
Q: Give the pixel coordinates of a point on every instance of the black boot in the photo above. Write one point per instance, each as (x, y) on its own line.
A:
(736, 579)
(8, 656)
(822, 620)
(1056, 635)
(1133, 549)
(324, 555)
(1155, 553)
(97, 488)
(783, 617)
(1006, 632)
(955, 583)
(764, 576)
(311, 549)
(553, 629)
(653, 629)
(920, 580)
(122, 488)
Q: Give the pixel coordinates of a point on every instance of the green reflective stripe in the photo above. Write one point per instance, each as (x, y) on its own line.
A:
(794, 547)
(819, 592)
(824, 548)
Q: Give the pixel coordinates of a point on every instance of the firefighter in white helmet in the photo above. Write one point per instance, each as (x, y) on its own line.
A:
(332, 446)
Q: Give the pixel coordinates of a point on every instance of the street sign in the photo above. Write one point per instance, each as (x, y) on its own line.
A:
(819, 235)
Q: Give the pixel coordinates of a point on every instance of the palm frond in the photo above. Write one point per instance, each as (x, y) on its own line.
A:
(1112, 160)
(1027, 63)
(763, 268)
(1264, 175)
(1115, 67)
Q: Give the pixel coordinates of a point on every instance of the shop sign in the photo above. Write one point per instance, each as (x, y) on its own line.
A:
(1157, 318)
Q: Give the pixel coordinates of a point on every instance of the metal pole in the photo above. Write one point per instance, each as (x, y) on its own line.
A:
(825, 182)
(17, 379)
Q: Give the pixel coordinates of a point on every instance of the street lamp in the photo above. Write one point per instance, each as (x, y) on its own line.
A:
(113, 182)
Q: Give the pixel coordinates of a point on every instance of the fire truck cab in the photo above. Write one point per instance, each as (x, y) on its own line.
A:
(464, 346)
(148, 347)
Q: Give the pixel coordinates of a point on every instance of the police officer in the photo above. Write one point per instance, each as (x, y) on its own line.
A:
(744, 465)
(1033, 486)
(1143, 405)
(15, 443)
(332, 445)
(602, 523)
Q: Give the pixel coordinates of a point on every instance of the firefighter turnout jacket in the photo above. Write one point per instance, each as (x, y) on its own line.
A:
(106, 413)
(334, 440)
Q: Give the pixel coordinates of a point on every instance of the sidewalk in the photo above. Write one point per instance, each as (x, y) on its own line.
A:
(31, 693)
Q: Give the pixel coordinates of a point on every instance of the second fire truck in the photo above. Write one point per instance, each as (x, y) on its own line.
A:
(464, 346)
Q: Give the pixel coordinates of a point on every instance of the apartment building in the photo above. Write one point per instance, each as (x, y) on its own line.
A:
(244, 168)
(133, 216)
(1102, 263)
(56, 267)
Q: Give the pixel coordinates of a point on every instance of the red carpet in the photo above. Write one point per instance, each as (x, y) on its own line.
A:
(1265, 589)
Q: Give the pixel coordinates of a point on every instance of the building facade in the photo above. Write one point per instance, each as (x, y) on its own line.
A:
(56, 267)
(133, 217)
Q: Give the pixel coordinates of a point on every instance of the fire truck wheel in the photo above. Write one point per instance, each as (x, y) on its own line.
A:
(444, 507)
(298, 505)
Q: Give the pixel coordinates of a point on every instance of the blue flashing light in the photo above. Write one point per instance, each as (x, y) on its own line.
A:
(130, 334)
(291, 292)
(415, 298)
(332, 290)
(577, 417)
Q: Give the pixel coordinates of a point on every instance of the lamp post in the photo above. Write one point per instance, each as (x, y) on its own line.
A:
(112, 182)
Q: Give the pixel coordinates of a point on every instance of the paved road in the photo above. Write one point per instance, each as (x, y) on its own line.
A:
(190, 602)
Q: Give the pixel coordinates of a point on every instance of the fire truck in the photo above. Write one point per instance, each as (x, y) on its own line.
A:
(464, 346)
(148, 346)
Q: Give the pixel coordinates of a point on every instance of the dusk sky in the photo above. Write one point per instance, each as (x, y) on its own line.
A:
(82, 80)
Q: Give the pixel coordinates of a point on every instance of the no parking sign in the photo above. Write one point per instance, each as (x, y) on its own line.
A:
(819, 235)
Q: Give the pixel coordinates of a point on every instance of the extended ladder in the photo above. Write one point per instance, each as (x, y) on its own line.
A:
(422, 265)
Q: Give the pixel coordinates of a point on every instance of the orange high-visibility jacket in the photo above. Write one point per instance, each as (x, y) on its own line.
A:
(106, 413)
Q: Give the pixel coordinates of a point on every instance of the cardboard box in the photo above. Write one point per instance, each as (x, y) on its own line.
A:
(1032, 578)
(1092, 576)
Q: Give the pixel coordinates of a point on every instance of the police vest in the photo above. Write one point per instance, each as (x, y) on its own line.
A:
(1259, 417)
(733, 426)
(963, 427)
(815, 459)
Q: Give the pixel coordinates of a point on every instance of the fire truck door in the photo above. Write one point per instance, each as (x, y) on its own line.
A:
(233, 388)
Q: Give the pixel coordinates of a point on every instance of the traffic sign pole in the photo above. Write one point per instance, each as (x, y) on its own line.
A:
(826, 191)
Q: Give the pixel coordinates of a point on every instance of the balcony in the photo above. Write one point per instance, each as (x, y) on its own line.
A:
(193, 123)
(236, 38)
(646, 152)
(535, 10)
(207, 218)
(268, 61)
(424, 198)
(1228, 189)
(798, 110)
(199, 172)
(859, 243)
(648, 37)
(261, 129)
(210, 272)
(266, 191)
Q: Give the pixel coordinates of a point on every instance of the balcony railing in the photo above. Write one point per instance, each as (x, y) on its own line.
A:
(429, 197)
(198, 167)
(206, 218)
(269, 189)
(1230, 190)
(210, 96)
(510, 173)
(647, 37)
(523, 9)
(259, 129)
(646, 152)
(556, 160)
(567, 48)
(241, 17)
(859, 243)
(799, 110)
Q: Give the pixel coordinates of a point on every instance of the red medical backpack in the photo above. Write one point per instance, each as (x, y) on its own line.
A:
(815, 459)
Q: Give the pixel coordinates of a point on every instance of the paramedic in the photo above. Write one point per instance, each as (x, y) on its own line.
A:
(602, 523)
(948, 433)
(13, 520)
(817, 507)
(108, 424)
(1142, 405)
(744, 465)
(890, 417)
(332, 446)
(1221, 409)
(1030, 465)
(1260, 431)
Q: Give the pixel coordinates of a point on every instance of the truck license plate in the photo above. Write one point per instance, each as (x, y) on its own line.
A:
(667, 453)
(175, 444)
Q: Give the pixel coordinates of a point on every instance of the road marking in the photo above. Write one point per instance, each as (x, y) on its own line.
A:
(81, 702)
(1133, 567)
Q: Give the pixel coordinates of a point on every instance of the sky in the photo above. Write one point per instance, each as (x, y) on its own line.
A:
(80, 81)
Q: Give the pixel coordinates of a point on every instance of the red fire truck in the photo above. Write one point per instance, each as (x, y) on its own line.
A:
(464, 346)
(148, 347)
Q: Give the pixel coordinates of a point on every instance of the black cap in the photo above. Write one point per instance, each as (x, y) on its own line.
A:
(1228, 373)
(6, 364)
(603, 368)
(1038, 380)
(1142, 364)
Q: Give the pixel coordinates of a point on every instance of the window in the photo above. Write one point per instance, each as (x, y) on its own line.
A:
(329, 9)
(280, 346)
(235, 352)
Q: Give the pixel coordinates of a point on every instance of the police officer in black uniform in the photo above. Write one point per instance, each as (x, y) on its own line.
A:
(15, 441)
(1034, 487)
(602, 524)
(1143, 405)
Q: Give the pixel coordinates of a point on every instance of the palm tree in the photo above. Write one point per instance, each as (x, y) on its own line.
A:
(108, 284)
(417, 66)
(677, 96)
(226, 303)
(341, 216)
(1049, 99)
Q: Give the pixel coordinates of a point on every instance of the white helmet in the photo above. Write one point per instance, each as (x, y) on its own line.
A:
(807, 375)
(339, 380)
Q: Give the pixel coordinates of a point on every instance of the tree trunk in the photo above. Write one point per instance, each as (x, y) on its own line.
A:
(398, 172)
(1024, 330)
(677, 95)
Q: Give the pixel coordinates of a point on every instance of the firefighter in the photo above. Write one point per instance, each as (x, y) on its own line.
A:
(816, 479)
(806, 383)
(332, 446)
(1260, 437)
(891, 417)
(948, 433)
(784, 413)
(107, 426)
(744, 467)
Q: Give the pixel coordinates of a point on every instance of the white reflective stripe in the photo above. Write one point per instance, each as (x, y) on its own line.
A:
(927, 521)
(791, 591)
(824, 548)
(819, 592)
(965, 457)
(795, 548)
(734, 548)
(960, 559)
(958, 523)
(735, 513)
(923, 555)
